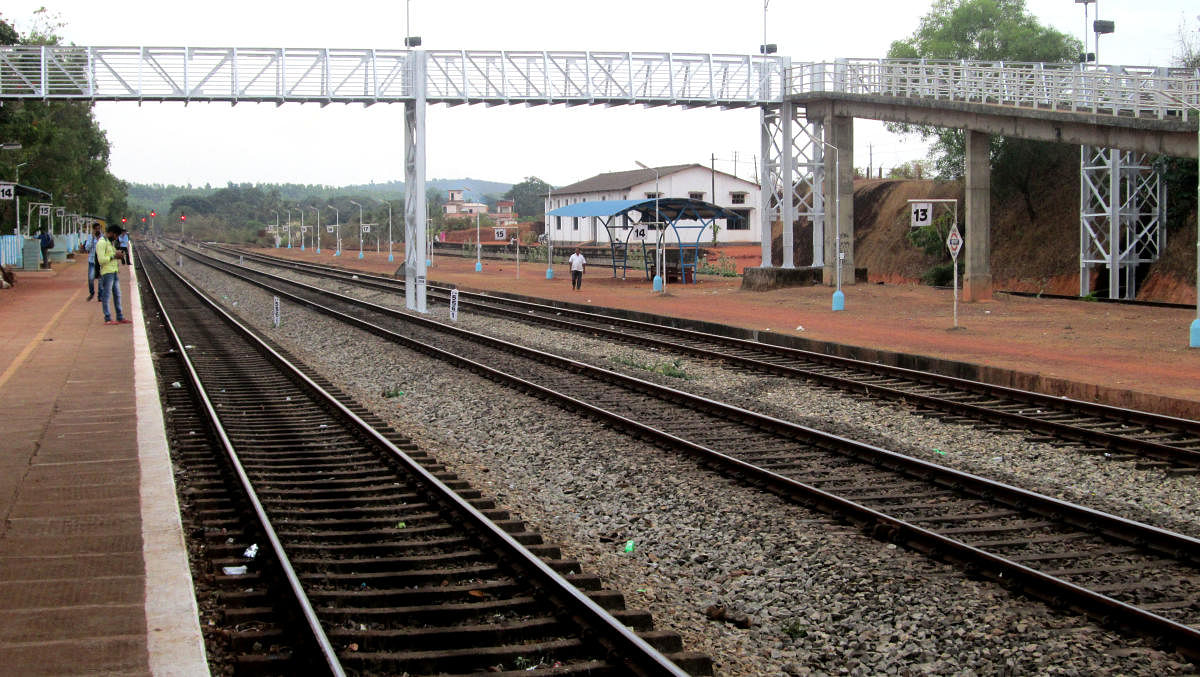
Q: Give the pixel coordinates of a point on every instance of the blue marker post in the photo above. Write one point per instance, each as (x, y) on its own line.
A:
(478, 247)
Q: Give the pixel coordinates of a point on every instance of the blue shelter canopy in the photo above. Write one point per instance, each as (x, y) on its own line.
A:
(673, 215)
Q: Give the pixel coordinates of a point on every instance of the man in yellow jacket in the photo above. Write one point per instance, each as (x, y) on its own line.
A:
(108, 259)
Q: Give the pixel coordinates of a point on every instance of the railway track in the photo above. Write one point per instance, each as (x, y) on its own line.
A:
(346, 550)
(1168, 442)
(1124, 573)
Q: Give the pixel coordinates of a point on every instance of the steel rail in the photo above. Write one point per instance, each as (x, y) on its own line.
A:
(1044, 586)
(624, 646)
(1166, 452)
(214, 420)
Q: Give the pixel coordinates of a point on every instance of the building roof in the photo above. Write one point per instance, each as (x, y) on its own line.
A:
(620, 180)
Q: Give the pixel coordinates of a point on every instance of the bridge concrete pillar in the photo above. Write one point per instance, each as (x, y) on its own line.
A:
(977, 277)
(414, 188)
(838, 189)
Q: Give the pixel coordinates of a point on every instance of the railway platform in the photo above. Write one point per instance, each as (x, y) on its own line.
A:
(1128, 356)
(93, 571)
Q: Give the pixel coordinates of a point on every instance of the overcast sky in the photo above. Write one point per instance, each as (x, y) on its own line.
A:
(338, 145)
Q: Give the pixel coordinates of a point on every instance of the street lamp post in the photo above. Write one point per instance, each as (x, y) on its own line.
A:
(389, 206)
(660, 278)
(302, 230)
(289, 227)
(839, 299)
(478, 246)
(317, 229)
(549, 239)
(338, 227)
(276, 233)
(360, 228)
(17, 198)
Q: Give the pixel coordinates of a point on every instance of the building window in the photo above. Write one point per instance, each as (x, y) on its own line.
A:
(574, 223)
(737, 198)
(739, 224)
(558, 223)
(651, 196)
(694, 195)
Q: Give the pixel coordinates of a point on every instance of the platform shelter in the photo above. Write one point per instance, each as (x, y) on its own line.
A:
(668, 223)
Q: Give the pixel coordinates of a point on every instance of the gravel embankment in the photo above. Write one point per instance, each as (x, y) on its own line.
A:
(821, 598)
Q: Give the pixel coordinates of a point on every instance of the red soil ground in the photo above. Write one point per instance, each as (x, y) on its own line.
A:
(1131, 353)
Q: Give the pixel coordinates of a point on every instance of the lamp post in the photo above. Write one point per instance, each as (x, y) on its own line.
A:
(389, 206)
(660, 279)
(289, 227)
(317, 229)
(478, 246)
(338, 226)
(360, 228)
(17, 198)
(276, 233)
(839, 299)
(549, 239)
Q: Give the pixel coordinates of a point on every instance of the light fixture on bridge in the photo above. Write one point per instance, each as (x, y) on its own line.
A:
(412, 41)
(1103, 26)
(769, 48)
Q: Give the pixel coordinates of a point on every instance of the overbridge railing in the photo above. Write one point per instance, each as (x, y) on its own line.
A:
(1102, 90)
(375, 76)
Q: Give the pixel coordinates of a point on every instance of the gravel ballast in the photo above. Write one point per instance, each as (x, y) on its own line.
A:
(818, 596)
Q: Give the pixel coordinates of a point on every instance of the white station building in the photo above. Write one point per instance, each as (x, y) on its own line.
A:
(692, 181)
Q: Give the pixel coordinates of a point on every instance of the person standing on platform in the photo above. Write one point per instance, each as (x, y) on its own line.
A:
(578, 264)
(47, 241)
(109, 259)
(89, 246)
(123, 246)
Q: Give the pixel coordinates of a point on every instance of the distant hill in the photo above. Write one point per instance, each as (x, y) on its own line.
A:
(144, 197)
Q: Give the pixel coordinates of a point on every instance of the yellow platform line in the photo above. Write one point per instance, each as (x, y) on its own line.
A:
(24, 354)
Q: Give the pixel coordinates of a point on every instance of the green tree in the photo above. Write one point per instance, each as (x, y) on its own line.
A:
(529, 196)
(990, 30)
(63, 150)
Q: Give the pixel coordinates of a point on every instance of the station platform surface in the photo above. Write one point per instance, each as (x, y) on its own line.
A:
(1132, 356)
(93, 572)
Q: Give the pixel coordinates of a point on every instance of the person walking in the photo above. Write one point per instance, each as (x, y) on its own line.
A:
(109, 259)
(89, 246)
(578, 265)
(47, 241)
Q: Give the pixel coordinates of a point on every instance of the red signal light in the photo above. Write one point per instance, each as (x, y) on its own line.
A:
(123, 219)
(183, 217)
(153, 213)
(143, 219)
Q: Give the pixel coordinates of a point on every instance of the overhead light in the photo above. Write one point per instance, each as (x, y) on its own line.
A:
(769, 48)
(412, 41)
(1103, 27)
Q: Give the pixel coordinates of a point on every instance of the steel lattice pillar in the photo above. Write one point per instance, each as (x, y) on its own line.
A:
(414, 187)
(792, 174)
(1122, 208)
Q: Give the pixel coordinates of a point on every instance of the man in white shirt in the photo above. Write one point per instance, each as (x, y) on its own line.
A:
(578, 263)
(89, 245)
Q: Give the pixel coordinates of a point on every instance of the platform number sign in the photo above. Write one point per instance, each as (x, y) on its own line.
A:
(328, 229)
(366, 228)
(499, 234)
(60, 212)
(639, 232)
(44, 210)
(8, 191)
(922, 214)
(954, 242)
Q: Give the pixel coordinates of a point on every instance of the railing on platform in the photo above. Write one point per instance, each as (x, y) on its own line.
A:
(10, 250)
(1123, 91)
